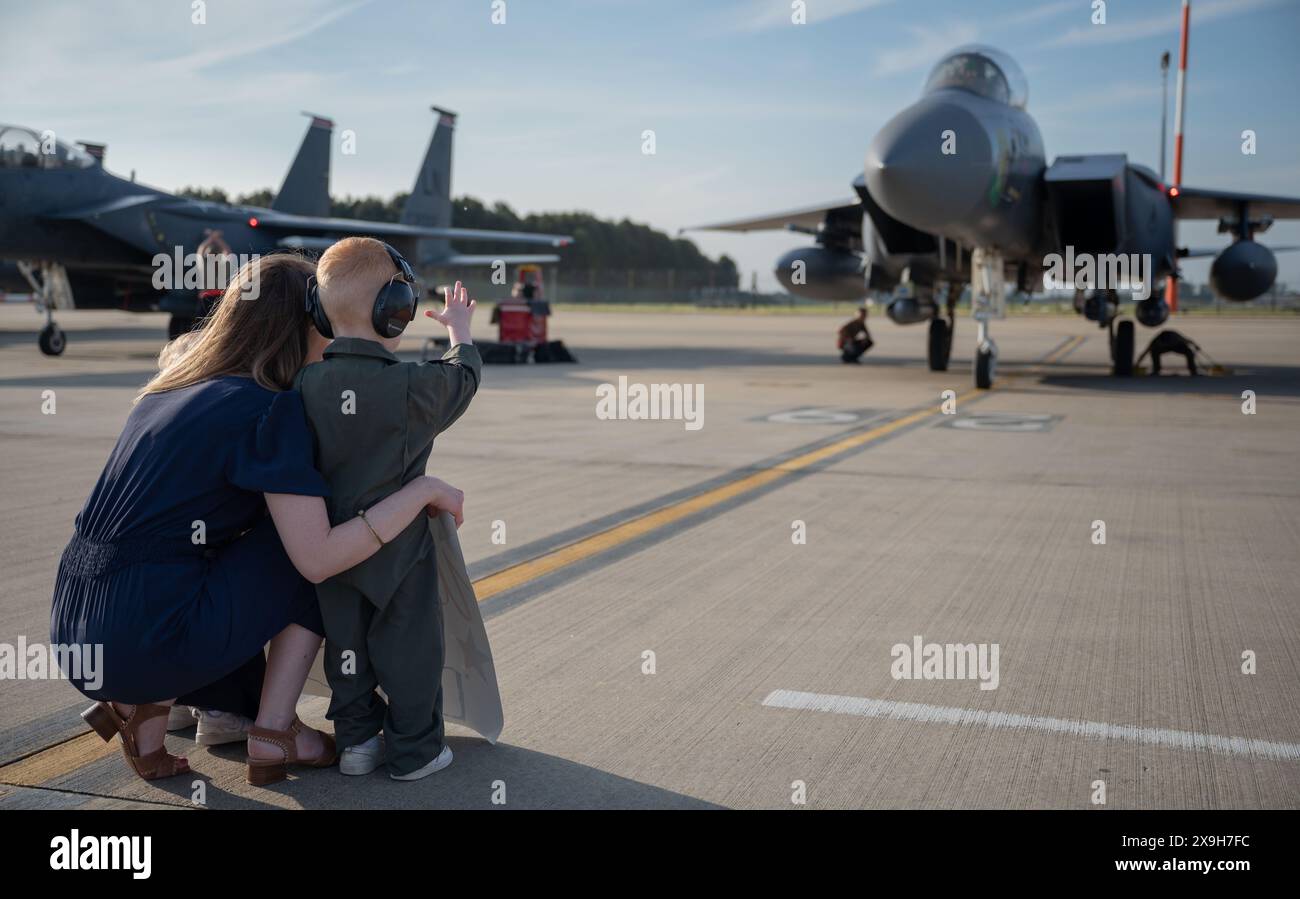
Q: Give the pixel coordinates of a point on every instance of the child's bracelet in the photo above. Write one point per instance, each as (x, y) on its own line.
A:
(362, 515)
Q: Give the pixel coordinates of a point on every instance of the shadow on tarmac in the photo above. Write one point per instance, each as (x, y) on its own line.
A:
(1265, 380)
(530, 780)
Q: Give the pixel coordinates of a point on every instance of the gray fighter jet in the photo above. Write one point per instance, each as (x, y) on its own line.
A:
(85, 238)
(956, 189)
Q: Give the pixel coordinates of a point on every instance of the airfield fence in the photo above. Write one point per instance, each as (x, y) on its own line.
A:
(672, 287)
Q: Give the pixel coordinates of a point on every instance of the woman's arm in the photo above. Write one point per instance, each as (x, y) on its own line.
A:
(319, 551)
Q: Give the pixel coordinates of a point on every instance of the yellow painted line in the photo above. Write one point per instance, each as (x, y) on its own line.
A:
(57, 760)
(1059, 353)
(519, 574)
(523, 572)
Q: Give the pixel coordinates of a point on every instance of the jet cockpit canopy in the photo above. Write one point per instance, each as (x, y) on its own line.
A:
(981, 70)
(24, 148)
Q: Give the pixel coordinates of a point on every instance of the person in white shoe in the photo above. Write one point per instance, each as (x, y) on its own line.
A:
(218, 728)
(383, 617)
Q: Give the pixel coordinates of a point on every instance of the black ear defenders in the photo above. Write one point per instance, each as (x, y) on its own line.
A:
(394, 306)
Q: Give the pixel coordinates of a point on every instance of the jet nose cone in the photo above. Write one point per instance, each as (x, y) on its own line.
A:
(931, 165)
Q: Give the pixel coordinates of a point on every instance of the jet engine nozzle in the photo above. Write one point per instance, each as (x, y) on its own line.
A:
(932, 164)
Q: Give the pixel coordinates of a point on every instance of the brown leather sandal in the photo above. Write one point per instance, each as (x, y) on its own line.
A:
(268, 771)
(107, 721)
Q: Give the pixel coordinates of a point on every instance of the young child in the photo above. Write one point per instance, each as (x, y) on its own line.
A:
(375, 419)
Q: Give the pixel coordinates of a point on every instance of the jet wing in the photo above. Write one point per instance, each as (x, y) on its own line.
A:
(461, 259)
(1198, 203)
(318, 243)
(1207, 252)
(808, 218)
(306, 225)
(109, 207)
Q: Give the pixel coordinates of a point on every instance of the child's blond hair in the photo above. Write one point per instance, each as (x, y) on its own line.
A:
(350, 274)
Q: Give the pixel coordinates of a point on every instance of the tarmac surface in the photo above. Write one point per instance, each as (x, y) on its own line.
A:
(662, 637)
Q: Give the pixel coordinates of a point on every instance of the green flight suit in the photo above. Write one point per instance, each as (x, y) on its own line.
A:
(374, 418)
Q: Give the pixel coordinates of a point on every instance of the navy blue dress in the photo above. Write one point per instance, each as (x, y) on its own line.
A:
(176, 617)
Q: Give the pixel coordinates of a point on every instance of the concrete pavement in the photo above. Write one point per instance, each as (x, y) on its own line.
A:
(977, 534)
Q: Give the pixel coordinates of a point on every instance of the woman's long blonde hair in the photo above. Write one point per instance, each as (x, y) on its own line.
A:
(259, 328)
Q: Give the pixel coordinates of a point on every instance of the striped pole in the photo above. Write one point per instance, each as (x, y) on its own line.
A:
(1180, 108)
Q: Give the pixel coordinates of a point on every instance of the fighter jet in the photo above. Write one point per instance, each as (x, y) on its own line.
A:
(85, 238)
(956, 189)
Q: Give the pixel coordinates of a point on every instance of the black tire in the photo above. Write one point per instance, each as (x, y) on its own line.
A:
(52, 340)
(1121, 350)
(939, 347)
(984, 365)
(178, 325)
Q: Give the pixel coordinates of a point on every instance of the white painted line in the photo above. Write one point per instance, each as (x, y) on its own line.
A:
(1096, 730)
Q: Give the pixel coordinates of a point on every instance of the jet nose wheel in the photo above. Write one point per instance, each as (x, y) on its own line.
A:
(1121, 349)
(52, 340)
(986, 363)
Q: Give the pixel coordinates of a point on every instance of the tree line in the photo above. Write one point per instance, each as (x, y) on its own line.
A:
(599, 244)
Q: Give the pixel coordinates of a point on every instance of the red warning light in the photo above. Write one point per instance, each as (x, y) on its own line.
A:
(1173, 191)
(252, 222)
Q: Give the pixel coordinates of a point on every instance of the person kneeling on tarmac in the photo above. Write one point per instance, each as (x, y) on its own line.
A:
(855, 339)
(1170, 341)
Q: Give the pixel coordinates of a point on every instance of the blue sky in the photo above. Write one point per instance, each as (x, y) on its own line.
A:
(751, 113)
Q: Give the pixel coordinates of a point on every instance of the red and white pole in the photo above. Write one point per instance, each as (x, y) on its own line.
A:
(1171, 285)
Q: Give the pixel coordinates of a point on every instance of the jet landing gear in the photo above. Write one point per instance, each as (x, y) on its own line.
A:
(986, 358)
(988, 300)
(1102, 307)
(52, 340)
(1121, 348)
(939, 346)
(50, 289)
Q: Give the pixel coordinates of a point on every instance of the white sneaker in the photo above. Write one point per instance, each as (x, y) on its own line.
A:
(180, 717)
(362, 758)
(442, 761)
(216, 728)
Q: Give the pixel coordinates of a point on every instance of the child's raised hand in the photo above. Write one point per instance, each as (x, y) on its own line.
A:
(456, 312)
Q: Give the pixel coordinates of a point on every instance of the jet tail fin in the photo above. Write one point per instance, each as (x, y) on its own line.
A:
(306, 189)
(429, 205)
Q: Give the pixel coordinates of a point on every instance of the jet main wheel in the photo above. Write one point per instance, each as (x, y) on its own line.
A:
(1121, 350)
(986, 361)
(52, 340)
(940, 345)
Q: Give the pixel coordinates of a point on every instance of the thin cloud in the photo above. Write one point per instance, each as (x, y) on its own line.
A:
(927, 46)
(1046, 11)
(761, 15)
(1115, 31)
(270, 39)
(1103, 98)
